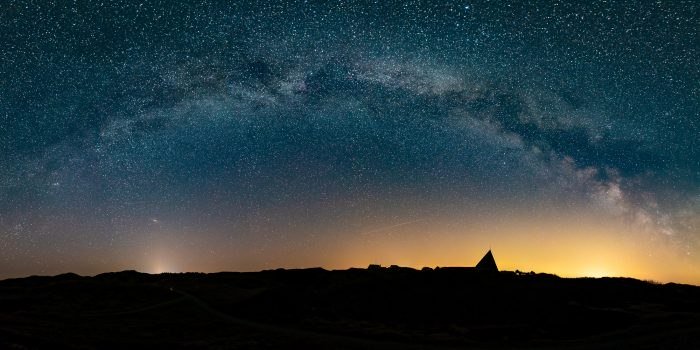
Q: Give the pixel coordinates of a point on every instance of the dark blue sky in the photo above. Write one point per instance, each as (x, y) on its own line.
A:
(262, 133)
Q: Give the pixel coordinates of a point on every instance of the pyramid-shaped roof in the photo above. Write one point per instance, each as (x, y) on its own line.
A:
(487, 263)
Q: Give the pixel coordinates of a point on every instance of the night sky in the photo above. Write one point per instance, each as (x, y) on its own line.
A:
(242, 136)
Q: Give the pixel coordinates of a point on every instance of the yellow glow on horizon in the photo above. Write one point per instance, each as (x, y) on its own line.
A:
(568, 244)
(572, 245)
(597, 271)
(161, 267)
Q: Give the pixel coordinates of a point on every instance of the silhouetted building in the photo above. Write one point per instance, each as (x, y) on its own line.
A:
(487, 263)
(374, 267)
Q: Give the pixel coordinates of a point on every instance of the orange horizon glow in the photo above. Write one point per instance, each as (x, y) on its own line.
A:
(567, 268)
(571, 245)
(567, 244)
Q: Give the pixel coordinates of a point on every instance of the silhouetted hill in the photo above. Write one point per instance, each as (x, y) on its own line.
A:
(393, 307)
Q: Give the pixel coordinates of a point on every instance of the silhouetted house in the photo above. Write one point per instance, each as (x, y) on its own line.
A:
(487, 263)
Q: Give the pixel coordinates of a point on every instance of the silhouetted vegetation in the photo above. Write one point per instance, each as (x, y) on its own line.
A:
(378, 307)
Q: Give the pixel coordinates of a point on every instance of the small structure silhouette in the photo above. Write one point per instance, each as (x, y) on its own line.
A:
(487, 263)
(374, 267)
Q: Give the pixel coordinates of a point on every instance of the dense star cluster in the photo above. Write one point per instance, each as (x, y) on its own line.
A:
(247, 135)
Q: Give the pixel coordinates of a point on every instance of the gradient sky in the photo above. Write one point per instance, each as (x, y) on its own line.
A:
(238, 135)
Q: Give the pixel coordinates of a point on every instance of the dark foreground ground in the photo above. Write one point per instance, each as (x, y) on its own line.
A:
(393, 308)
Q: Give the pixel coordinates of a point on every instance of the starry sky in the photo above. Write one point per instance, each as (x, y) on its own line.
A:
(246, 135)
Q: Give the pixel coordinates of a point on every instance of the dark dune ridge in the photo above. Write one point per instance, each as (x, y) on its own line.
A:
(392, 308)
